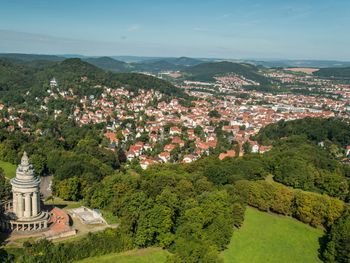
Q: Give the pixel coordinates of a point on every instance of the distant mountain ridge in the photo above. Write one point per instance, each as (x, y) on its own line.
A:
(181, 61)
(207, 71)
(31, 57)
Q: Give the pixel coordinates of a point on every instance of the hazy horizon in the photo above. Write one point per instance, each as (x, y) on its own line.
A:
(297, 30)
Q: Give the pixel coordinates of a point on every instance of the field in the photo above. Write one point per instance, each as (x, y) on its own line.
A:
(9, 169)
(148, 255)
(271, 238)
(304, 70)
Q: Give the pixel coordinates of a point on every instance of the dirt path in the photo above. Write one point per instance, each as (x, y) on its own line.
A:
(45, 186)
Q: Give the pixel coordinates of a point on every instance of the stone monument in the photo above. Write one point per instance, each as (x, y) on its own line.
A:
(24, 212)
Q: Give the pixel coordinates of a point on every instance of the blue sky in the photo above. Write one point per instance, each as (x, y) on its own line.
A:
(295, 29)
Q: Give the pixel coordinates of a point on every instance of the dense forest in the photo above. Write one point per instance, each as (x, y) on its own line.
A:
(326, 131)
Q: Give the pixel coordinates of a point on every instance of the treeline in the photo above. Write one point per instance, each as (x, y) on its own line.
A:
(311, 208)
(337, 248)
(297, 162)
(293, 161)
(5, 187)
(338, 72)
(43, 251)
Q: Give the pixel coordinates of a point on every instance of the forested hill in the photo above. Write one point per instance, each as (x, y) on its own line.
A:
(318, 130)
(207, 71)
(110, 64)
(17, 78)
(71, 69)
(181, 61)
(334, 72)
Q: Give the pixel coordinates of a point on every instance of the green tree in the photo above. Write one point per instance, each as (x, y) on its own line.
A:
(338, 241)
(247, 147)
(69, 189)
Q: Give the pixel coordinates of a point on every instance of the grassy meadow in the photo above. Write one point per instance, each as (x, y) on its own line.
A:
(9, 169)
(272, 238)
(148, 255)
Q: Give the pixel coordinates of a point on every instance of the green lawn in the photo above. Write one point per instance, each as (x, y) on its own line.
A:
(9, 169)
(148, 255)
(109, 217)
(63, 204)
(269, 238)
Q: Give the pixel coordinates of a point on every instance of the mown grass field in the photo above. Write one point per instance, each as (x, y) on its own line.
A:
(148, 255)
(271, 238)
(9, 169)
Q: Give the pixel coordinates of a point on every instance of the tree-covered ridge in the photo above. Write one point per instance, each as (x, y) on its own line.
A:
(207, 71)
(335, 72)
(135, 81)
(17, 78)
(30, 57)
(318, 130)
(110, 64)
(306, 154)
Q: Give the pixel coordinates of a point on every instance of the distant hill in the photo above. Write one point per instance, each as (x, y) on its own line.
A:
(156, 66)
(334, 72)
(72, 69)
(181, 61)
(207, 71)
(30, 57)
(300, 63)
(108, 63)
(16, 78)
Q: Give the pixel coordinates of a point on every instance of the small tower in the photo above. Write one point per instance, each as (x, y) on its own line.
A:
(53, 83)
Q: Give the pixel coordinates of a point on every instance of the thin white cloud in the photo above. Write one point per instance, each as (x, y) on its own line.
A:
(132, 28)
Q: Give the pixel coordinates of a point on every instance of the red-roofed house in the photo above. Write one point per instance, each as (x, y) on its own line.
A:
(189, 158)
(178, 140)
(145, 163)
(111, 136)
(169, 147)
(229, 153)
(175, 130)
(164, 156)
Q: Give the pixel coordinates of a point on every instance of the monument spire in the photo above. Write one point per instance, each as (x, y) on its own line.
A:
(25, 159)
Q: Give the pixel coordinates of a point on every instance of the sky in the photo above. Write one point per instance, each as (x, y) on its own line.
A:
(232, 29)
